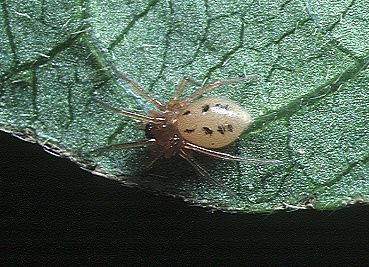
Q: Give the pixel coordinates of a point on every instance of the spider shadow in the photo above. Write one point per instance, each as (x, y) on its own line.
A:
(167, 176)
(174, 176)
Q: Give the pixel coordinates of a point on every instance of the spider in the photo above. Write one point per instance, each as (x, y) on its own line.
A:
(189, 124)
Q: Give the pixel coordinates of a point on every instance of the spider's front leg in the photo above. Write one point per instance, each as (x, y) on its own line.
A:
(138, 89)
(181, 86)
(217, 83)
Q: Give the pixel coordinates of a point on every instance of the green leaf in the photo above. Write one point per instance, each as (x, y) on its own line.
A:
(310, 107)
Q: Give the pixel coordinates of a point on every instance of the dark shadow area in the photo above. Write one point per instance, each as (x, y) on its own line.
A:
(54, 213)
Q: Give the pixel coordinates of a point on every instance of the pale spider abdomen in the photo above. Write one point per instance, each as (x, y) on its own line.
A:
(212, 122)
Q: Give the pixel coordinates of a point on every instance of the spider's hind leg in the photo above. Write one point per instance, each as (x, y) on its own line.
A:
(205, 174)
(225, 156)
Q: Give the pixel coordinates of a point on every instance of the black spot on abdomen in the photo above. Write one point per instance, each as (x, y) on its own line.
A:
(221, 129)
(207, 130)
(187, 112)
(224, 128)
(189, 131)
(226, 107)
(205, 108)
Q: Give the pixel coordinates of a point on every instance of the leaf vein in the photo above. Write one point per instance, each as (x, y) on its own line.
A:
(9, 32)
(311, 98)
(132, 23)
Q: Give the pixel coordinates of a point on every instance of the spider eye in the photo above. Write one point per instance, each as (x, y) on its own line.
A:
(148, 131)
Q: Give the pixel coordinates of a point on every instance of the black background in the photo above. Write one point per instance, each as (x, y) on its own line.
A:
(54, 213)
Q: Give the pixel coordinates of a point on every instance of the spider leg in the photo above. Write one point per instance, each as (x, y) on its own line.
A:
(181, 86)
(225, 156)
(217, 83)
(139, 90)
(204, 173)
(154, 159)
(126, 113)
(137, 144)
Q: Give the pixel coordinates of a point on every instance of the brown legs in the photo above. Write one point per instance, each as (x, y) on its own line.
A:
(126, 113)
(219, 155)
(217, 83)
(181, 86)
(204, 173)
(138, 89)
(224, 156)
(137, 144)
(183, 83)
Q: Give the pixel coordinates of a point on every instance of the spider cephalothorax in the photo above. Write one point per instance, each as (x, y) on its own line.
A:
(166, 140)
